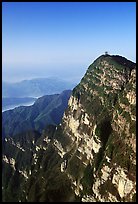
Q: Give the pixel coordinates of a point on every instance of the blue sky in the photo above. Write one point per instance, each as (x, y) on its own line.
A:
(41, 39)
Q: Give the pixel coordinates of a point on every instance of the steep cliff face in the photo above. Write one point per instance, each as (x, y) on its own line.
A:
(100, 123)
(91, 155)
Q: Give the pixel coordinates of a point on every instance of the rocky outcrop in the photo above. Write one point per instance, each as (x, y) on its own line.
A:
(91, 155)
(100, 122)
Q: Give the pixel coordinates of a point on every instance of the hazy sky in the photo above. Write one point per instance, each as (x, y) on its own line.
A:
(41, 39)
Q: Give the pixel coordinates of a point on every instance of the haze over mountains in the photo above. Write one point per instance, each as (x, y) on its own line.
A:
(47, 110)
(35, 87)
(68, 102)
(91, 155)
(27, 91)
(11, 103)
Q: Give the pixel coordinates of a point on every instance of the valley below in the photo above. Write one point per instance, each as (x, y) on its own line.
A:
(77, 145)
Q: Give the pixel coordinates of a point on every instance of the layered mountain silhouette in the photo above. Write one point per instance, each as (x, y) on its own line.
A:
(35, 87)
(47, 110)
(10, 103)
(91, 155)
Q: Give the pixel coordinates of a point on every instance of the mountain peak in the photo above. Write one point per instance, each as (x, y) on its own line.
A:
(119, 59)
(91, 155)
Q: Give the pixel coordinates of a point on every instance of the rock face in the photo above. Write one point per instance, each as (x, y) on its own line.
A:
(91, 155)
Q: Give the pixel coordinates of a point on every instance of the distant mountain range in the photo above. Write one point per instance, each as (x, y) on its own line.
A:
(47, 110)
(35, 87)
(90, 156)
(10, 103)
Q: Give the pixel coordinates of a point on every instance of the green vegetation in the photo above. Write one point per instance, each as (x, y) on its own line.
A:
(98, 131)
(75, 167)
(87, 180)
(109, 88)
(134, 198)
(47, 183)
(133, 109)
(62, 137)
(99, 70)
(124, 100)
(116, 65)
(127, 116)
(118, 151)
(94, 107)
(99, 159)
(120, 110)
(96, 80)
(129, 86)
(112, 99)
(133, 127)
